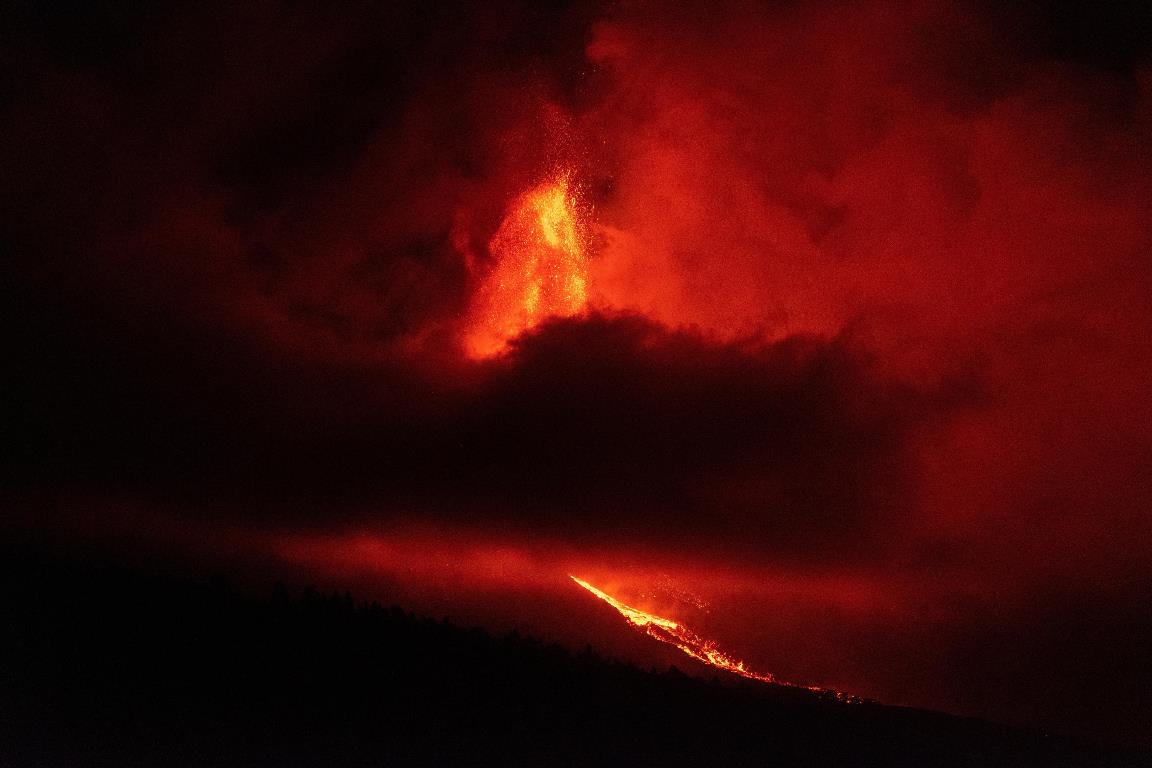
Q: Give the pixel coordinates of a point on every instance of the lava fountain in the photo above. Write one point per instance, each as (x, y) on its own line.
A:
(541, 268)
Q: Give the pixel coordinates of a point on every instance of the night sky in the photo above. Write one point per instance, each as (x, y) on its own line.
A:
(860, 388)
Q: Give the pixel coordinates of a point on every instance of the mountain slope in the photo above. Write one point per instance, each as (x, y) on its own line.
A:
(107, 665)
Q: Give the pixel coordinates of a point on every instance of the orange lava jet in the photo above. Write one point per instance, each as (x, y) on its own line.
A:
(541, 268)
(676, 634)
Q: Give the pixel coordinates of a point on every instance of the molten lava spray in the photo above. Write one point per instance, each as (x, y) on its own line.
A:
(541, 268)
(675, 633)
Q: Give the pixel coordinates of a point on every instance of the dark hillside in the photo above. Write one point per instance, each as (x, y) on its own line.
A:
(111, 666)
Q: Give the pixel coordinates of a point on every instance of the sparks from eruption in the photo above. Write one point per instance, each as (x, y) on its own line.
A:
(676, 634)
(541, 268)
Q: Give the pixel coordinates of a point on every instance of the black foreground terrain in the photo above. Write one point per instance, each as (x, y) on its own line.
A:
(112, 666)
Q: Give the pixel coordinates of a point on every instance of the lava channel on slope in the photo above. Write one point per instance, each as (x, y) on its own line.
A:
(676, 634)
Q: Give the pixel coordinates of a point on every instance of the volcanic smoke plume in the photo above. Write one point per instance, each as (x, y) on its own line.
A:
(836, 316)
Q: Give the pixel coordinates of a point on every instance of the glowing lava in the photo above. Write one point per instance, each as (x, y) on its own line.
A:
(541, 269)
(675, 633)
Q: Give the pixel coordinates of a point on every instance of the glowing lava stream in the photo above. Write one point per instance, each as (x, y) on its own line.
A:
(675, 633)
(541, 268)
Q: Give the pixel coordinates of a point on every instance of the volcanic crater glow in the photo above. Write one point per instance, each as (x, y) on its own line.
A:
(541, 268)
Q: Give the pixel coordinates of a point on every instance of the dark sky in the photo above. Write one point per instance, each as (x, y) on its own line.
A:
(866, 361)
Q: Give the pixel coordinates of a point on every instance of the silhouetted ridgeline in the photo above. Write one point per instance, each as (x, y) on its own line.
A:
(114, 667)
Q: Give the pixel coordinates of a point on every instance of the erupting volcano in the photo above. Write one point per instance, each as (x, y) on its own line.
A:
(676, 634)
(540, 270)
(816, 335)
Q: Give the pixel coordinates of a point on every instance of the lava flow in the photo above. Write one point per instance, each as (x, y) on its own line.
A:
(676, 634)
(541, 268)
